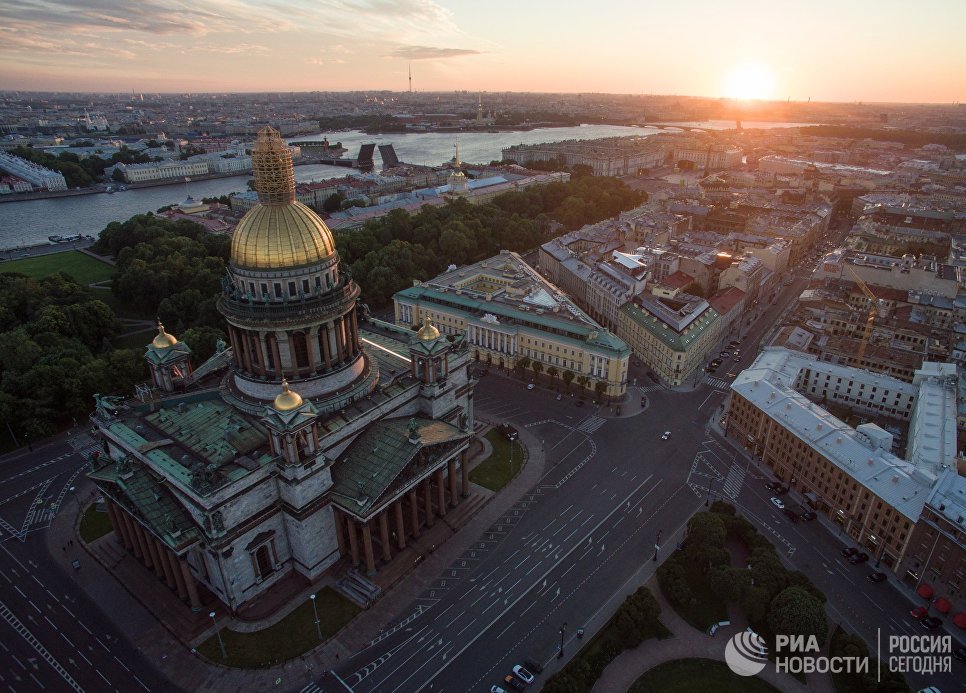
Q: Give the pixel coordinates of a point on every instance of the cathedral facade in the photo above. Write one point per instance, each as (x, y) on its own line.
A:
(303, 442)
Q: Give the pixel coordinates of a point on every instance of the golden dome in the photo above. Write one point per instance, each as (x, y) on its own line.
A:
(288, 400)
(280, 236)
(163, 340)
(427, 332)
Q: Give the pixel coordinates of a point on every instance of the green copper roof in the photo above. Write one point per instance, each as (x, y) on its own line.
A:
(211, 430)
(378, 459)
(677, 341)
(133, 485)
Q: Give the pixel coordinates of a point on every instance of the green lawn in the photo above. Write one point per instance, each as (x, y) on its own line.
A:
(94, 524)
(81, 267)
(496, 471)
(293, 635)
(136, 340)
(686, 675)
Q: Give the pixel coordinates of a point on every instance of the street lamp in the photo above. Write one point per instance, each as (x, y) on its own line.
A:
(221, 643)
(318, 628)
(657, 545)
(562, 629)
(707, 498)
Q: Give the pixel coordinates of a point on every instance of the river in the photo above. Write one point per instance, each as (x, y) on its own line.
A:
(32, 221)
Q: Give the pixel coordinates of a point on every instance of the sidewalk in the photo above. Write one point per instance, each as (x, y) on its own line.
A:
(687, 642)
(437, 548)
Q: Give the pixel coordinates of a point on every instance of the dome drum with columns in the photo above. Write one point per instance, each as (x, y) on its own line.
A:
(291, 311)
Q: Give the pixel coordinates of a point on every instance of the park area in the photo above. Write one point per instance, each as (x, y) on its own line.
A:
(501, 465)
(83, 268)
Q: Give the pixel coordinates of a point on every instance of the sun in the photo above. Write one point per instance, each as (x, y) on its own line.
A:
(749, 81)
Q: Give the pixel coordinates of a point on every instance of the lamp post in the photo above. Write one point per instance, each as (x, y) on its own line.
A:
(315, 611)
(562, 629)
(221, 643)
(657, 545)
(707, 498)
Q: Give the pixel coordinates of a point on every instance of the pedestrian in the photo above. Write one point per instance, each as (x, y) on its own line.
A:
(64, 549)
(70, 542)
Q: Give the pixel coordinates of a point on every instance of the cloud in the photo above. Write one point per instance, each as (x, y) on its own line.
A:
(431, 53)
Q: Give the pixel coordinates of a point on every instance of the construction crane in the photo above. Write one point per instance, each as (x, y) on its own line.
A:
(870, 317)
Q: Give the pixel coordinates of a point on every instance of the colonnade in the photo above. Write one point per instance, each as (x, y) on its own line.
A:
(405, 517)
(297, 353)
(155, 554)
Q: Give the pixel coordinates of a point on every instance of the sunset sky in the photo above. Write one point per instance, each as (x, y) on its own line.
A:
(842, 50)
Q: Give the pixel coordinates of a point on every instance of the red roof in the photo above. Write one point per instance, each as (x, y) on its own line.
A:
(678, 280)
(724, 301)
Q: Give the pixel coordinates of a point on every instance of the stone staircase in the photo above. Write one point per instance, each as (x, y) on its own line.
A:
(467, 509)
(358, 589)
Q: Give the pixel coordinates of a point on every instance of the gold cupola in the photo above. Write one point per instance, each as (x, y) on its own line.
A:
(163, 340)
(287, 400)
(427, 332)
(279, 232)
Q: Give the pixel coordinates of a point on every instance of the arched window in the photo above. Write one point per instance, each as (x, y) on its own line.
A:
(300, 349)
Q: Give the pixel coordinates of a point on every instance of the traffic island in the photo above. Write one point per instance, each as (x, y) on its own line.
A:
(505, 461)
(94, 524)
(686, 675)
(294, 635)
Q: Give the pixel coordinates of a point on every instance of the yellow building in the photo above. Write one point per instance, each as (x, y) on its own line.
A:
(512, 316)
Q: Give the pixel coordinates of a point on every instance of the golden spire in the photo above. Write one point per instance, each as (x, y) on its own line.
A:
(457, 154)
(163, 340)
(287, 400)
(272, 166)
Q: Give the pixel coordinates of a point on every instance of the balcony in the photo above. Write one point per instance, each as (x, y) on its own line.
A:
(299, 310)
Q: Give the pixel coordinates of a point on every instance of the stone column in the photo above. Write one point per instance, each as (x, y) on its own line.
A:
(355, 331)
(465, 471)
(262, 365)
(315, 354)
(340, 339)
(175, 565)
(400, 525)
(284, 353)
(367, 546)
(428, 497)
(145, 553)
(324, 342)
(189, 583)
(414, 513)
(384, 535)
(129, 527)
(353, 540)
(155, 558)
(339, 530)
(116, 524)
(454, 498)
(330, 332)
(276, 355)
(440, 492)
(245, 347)
(165, 565)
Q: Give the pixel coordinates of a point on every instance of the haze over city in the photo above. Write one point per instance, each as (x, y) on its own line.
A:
(824, 51)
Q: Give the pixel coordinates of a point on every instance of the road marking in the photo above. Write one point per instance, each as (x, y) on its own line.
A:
(40, 649)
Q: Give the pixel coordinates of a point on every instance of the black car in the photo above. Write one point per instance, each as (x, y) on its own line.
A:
(791, 514)
(782, 489)
(532, 665)
(859, 558)
(960, 654)
(849, 551)
(773, 485)
(876, 577)
(513, 682)
(808, 516)
(930, 622)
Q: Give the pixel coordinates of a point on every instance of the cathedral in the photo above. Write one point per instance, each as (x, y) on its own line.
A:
(304, 441)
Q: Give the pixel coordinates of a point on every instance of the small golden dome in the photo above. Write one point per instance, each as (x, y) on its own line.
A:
(288, 400)
(280, 236)
(163, 340)
(427, 332)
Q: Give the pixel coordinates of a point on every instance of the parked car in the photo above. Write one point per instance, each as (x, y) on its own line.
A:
(532, 665)
(773, 485)
(808, 515)
(777, 502)
(781, 490)
(523, 674)
(859, 558)
(529, 386)
(513, 682)
(665, 435)
(849, 551)
(496, 689)
(876, 577)
(931, 622)
(791, 514)
(919, 612)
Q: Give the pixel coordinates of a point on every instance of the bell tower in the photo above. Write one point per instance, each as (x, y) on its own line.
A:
(168, 360)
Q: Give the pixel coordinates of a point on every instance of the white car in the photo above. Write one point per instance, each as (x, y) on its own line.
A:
(777, 502)
(523, 674)
(665, 435)
(530, 386)
(496, 689)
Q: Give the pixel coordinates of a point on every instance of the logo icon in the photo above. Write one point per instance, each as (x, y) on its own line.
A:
(746, 654)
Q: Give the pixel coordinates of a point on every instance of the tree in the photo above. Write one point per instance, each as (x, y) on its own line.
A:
(333, 203)
(553, 371)
(599, 387)
(796, 612)
(522, 364)
(537, 370)
(582, 381)
(202, 341)
(568, 377)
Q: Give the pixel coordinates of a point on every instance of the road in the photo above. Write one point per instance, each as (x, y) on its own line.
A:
(53, 636)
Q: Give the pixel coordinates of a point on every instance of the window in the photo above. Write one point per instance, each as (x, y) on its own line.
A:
(301, 350)
(278, 290)
(292, 291)
(305, 286)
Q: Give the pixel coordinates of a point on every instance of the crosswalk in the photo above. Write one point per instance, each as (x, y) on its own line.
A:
(591, 424)
(718, 383)
(732, 483)
(651, 388)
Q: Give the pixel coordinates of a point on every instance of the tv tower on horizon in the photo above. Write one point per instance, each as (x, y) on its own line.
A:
(410, 78)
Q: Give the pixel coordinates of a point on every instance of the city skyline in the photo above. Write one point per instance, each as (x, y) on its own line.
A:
(748, 50)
